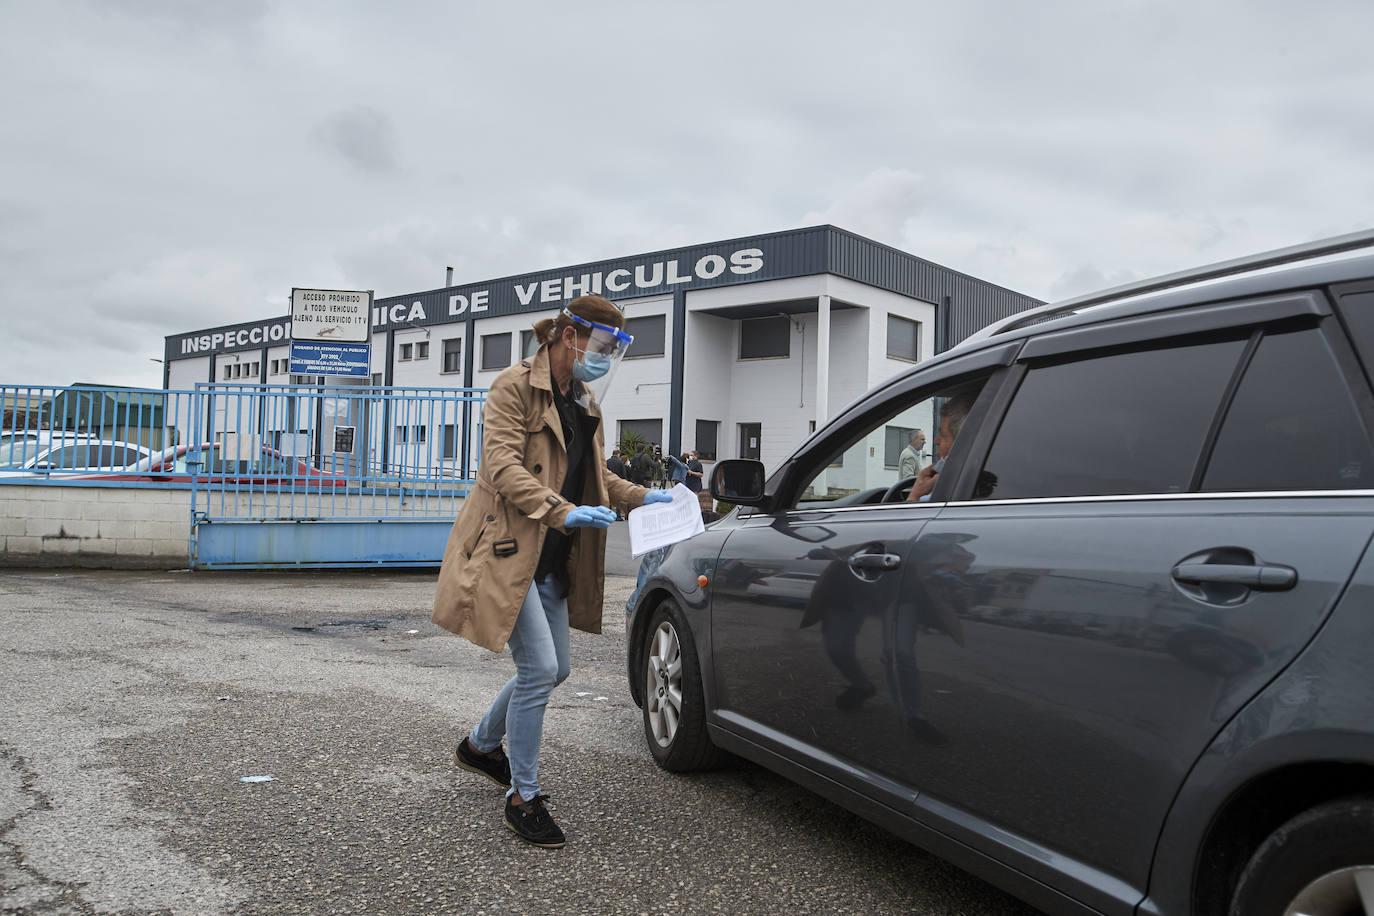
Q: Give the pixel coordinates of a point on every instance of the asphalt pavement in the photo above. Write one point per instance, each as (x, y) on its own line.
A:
(134, 704)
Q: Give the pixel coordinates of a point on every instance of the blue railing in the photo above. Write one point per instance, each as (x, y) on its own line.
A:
(253, 451)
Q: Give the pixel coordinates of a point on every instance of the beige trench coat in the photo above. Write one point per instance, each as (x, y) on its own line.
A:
(482, 582)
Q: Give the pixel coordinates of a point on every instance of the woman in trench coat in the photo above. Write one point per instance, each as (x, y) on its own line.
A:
(525, 559)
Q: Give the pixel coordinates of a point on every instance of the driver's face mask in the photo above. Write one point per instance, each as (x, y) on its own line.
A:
(597, 357)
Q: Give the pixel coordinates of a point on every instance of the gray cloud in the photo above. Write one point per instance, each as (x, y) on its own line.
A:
(363, 136)
(173, 166)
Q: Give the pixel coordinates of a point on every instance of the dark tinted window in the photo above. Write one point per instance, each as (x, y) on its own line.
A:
(707, 431)
(1292, 424)
(453, 354)
(760, 338)
(903, 338)
(1116, 424)
(495, 351)
(1358, 310)
(895, 440)
(650, 430)
(649, 335)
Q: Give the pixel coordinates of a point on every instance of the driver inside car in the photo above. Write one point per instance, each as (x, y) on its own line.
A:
(952, 416)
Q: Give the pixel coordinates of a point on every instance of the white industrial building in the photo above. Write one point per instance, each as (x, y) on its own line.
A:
(742, 347)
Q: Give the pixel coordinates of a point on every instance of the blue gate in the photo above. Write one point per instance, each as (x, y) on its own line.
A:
(315, 476)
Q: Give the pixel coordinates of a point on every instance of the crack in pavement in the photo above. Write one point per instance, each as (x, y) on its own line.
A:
(18, 892)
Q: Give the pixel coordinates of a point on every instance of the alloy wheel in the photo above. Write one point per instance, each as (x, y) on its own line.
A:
(1345, 892)
(663, 684)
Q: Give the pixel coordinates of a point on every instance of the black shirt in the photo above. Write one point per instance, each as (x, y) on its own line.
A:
(579, 431)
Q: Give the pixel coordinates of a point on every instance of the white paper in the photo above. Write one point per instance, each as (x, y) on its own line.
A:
(660, 524)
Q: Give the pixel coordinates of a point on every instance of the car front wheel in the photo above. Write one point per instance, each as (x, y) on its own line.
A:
(674, 707)
(1320, 863)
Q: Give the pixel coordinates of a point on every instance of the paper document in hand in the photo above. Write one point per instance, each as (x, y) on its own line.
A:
(660, 524)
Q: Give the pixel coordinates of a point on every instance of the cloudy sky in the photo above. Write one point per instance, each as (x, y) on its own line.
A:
(171, 165)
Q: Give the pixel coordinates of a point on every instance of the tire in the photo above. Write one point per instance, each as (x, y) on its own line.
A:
(674, 707)
(1316, 864)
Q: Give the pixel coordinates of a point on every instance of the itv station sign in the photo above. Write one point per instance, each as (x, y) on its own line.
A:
(331, 332)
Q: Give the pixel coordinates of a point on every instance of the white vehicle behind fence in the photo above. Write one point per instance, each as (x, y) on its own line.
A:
(36, 453)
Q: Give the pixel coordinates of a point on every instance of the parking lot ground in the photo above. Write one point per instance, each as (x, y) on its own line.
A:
(132, 705)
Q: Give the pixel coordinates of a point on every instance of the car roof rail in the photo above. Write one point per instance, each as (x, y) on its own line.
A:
(1339, 244)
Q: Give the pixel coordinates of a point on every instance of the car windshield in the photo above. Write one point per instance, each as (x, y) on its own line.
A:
(15, 450)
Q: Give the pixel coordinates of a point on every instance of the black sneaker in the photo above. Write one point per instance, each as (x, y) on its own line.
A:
(533, 823)
(495, 766)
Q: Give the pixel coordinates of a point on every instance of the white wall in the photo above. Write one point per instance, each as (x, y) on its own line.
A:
(184, 374)
(641, 389)
(416, 372)
(92, 526)
(707, 379)
(510, 324)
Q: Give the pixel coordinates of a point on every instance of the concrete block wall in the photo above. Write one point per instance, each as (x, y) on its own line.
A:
(94, 526)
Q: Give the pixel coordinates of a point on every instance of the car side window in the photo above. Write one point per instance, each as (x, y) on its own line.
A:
(869, 464)
(64, 457)
(1116, 424)
(1293, 424)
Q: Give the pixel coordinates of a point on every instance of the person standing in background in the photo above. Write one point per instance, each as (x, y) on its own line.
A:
(695, 473)
(909, 463)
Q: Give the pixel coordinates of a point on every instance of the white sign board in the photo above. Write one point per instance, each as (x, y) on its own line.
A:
(338, 315)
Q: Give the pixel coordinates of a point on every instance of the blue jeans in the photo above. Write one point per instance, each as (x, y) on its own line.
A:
(539, 645)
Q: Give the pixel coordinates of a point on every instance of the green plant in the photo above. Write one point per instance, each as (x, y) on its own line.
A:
(630, 441)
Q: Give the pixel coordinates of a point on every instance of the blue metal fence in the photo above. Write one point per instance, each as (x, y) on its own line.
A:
(279, 475)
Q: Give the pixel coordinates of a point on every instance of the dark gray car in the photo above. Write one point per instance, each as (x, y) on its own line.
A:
(1108, 650)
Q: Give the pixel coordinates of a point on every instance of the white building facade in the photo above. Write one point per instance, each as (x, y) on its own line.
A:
(742, 347)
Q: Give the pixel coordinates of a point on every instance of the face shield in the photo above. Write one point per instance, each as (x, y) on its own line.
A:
(597, 359)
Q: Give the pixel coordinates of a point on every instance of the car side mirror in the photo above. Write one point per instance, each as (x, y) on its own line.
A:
(738, 481)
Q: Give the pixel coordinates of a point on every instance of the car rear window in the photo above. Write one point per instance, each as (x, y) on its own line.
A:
(1293, 424)
(1118, 424)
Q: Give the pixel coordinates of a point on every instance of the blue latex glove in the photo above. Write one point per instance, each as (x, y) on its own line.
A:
(589, 517)
(657, 496)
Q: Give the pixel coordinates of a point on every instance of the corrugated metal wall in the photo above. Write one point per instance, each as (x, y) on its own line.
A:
(974, 303)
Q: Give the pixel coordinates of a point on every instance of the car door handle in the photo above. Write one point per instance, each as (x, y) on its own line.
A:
(875, 561)
(1265, 578)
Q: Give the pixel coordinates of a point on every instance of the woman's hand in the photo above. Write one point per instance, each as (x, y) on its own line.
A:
(589, 517)
(657, 496)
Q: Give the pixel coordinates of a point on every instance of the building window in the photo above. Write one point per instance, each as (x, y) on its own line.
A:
(750, 440)
(228, 369)
(707, 433)
(255, 369)
(903, 339)
(411, 435)
(406, 351)
(527, 344)
(651, 431)
(495, 351)
(450, 440)
(765, 338)
(422, 349)
(649, 333)
(895, 439)
(376, 379)
(453, 355)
